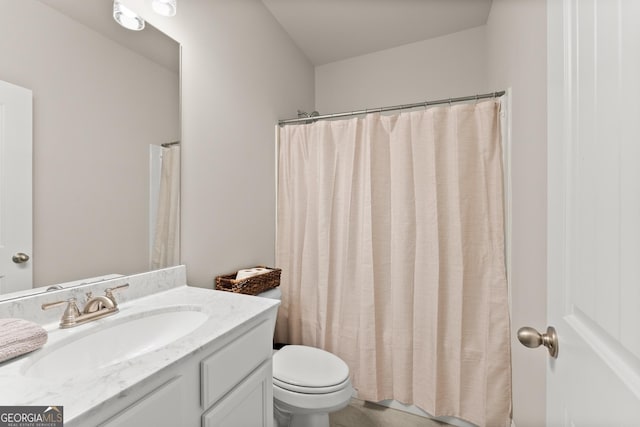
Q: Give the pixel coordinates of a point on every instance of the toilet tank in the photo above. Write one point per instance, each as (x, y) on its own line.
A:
(274, 293)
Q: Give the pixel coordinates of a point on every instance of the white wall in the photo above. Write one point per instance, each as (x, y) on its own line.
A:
(517, 58)
(444, 67)
(97, 106)
(240, 73)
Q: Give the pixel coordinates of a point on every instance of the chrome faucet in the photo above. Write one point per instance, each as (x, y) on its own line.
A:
(95, 308)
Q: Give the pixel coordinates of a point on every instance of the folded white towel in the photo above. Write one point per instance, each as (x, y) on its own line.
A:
(18, 336)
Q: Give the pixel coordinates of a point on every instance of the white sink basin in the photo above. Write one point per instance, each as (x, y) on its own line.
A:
(114, 342)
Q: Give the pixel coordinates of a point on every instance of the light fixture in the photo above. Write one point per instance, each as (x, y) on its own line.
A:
(126, 17)
(164, 7)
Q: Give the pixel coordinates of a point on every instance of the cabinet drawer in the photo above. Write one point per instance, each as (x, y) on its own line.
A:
(162, 408)
(224, 369)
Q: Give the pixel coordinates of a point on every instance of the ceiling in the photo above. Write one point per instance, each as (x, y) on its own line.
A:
(325, 30)
(98, 15)
(331, 30)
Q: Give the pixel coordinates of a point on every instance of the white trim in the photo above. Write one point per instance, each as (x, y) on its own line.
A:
(505, 133)
(277, 155)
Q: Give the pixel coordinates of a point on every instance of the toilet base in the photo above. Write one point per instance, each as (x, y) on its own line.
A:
(292, 409)
(283, 419)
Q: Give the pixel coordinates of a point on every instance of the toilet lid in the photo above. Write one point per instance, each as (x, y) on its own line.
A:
(308, 367)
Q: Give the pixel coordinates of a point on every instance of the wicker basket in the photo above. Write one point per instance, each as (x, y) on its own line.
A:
(251, 285)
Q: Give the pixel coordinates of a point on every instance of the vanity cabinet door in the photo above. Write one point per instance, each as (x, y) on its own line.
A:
(226, 368)
(160, 408)
(249, 404)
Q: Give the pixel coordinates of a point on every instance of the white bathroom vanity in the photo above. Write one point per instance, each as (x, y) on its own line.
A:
(172, 356)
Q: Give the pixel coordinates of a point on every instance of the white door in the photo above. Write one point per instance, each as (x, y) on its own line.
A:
(15, 188)
(594, 212)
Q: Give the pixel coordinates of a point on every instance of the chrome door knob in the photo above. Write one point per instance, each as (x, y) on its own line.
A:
(20, 257)
(531, 338)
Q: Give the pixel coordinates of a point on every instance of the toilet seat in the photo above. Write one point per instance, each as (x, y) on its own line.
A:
(311, 390)
(309, 370)
(304, 403)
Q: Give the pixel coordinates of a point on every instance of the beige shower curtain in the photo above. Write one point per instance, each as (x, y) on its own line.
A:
(166, 245)
(391, 243)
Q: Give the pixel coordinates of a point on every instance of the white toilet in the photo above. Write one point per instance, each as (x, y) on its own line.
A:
(308, 384)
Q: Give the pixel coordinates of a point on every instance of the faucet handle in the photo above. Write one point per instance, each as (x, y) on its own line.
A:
(48, 305)
(109, 292)
(71, 313)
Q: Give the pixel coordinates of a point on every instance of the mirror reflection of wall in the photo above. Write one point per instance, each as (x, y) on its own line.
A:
(97, 106)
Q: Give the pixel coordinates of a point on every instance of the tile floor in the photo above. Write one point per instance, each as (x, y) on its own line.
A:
(366, 414)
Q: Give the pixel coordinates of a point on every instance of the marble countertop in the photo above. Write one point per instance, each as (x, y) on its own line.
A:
(88, 391)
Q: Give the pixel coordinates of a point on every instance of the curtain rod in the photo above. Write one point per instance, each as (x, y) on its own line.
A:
(169, 144)
(393, 108)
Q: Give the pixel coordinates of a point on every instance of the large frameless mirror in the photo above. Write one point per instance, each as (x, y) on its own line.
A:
(104, 100)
